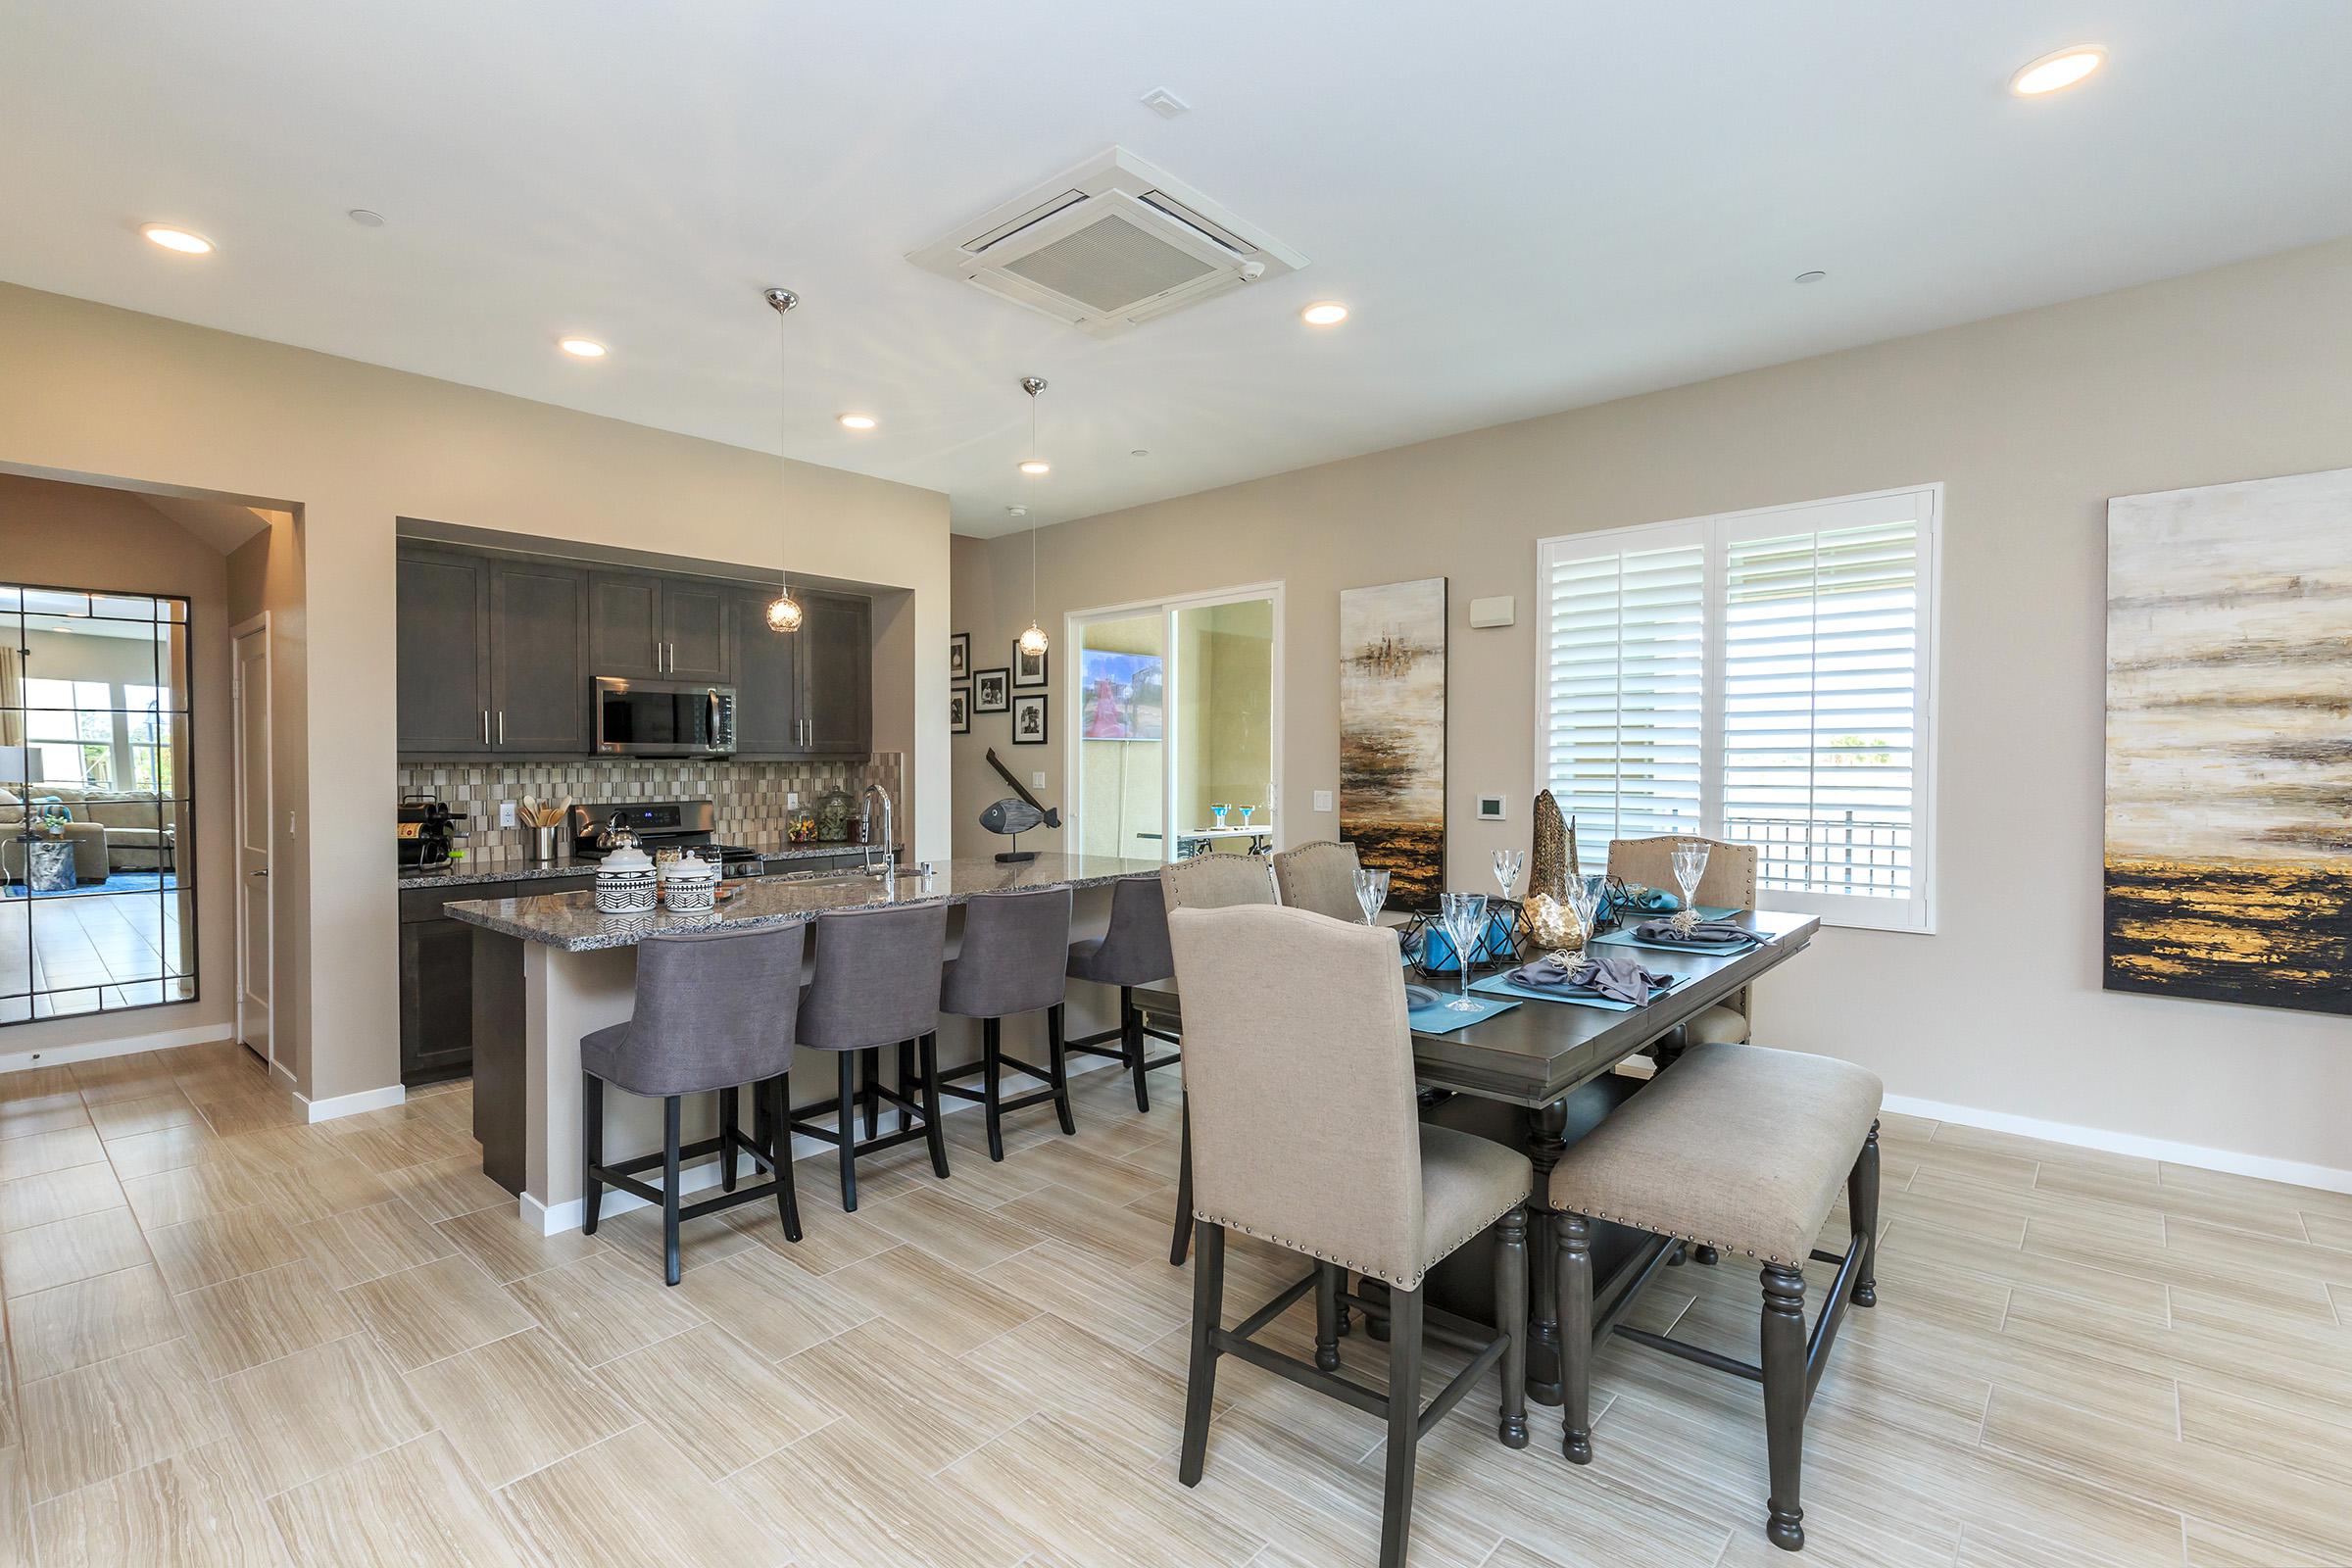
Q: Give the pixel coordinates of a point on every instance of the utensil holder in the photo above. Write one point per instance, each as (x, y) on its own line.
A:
(540, 845)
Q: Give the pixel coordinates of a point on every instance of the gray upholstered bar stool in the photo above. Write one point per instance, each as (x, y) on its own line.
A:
(705, 1020)
(1285, 1008)
(1745, 1149)
(1015, 947)
(1320, 877)
(1132, 952)
(1206, 882)
(876, 985)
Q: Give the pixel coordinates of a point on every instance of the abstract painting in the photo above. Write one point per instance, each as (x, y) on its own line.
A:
(1392, 735)
(2228, 852)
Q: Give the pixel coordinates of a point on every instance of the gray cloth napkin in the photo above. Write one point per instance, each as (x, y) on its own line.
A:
(1618, 979)
(1419, 997)
(1704, 931)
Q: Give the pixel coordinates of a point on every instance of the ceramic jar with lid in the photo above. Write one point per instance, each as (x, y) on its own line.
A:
(626, 883)
(689, 885)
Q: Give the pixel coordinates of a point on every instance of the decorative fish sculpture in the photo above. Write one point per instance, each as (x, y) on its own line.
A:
(1010, 816)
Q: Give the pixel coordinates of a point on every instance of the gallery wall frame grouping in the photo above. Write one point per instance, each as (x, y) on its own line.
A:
(1029, 726)
(992, 690)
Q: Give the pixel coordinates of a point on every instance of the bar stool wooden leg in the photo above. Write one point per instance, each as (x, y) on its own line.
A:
(932, 1134)
(1404, 1425)
(728, 1112)
(992, 1061)
(669, 1189)
(1184, 1197)
(906, 1082)
(1327, 1316)
(592, 1150)
(1200, 1380)
(1862, 1204)
(1784, 1402)
(848, 1132)
(1131, 1036)
(871, 1092)
(1575, 1315)
(776, 1095)
(1510, 1305)
(1059, 1065)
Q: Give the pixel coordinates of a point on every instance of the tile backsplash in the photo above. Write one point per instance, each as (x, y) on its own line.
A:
(747, 798)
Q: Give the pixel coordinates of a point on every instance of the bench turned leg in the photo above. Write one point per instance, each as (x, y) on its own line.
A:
(1862, 1204)
(1575, 1313)
(1783, 1343)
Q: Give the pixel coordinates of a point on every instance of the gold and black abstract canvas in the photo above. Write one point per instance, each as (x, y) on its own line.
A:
(2228, 844)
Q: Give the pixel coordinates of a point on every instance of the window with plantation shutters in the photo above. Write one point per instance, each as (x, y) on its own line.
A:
(1761, 678)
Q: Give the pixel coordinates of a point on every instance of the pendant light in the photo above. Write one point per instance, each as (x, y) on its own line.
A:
(783, 611)
(1033, 642)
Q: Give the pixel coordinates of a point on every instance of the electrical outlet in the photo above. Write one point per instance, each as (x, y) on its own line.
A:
(792, 798)
(506, 813)
(1036, 781)
(1322, 799)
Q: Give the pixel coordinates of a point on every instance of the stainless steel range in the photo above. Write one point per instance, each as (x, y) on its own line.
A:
(658, 826)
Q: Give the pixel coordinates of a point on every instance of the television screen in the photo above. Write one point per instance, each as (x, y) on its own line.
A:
(1118, 695)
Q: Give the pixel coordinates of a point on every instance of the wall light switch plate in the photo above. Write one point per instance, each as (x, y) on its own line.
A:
(1036, 781)
(1500, 610)
(1491, 807)
(506, 813)
(792, 798)
(1322, 799)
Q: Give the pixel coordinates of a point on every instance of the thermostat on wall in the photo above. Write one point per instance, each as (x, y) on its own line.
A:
(1500, 610)
(1490, 809)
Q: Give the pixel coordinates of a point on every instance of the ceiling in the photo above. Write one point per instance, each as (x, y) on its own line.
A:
(1528, 209)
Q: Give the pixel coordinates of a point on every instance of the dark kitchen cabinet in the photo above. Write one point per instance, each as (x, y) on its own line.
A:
(647, 627)
(694, 629)
(767, 679)
(443, 653)
(837, 675)
(436, 982)
(538, 658)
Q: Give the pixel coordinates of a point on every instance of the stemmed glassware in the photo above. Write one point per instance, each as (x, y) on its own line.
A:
(1508, 864)
(1463, 917)
(1372, 893)
(1218, 812)
(1584, 901)
(1245, 810)
(1690, 864)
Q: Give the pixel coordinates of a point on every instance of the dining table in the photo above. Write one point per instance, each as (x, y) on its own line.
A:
(1542, 1074)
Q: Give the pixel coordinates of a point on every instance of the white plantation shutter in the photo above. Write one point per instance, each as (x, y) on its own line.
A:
(1625, 691)
(1761, 678)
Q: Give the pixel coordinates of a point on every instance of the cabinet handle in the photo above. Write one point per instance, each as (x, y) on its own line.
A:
(485, 726)
(502, 726)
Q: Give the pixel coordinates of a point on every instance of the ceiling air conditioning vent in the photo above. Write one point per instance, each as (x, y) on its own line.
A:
(1108, 246)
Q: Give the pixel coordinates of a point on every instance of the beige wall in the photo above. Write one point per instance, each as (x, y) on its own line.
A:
(2033, 421)
(95, 390)
(76, 536)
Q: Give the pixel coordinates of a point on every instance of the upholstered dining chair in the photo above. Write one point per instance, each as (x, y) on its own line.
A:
(1730, 880)
(1320, 877)
(1285, 1008)
(1206, 882)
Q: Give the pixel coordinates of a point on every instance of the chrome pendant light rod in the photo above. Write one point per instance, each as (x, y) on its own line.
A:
(784, 611)
(1033, 642)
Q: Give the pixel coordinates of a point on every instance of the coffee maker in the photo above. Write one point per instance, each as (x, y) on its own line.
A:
(427, 830)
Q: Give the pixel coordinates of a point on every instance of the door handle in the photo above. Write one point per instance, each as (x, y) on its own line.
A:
(264, 871)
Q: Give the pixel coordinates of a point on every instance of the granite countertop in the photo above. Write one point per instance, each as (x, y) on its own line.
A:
(569, 921)
(471, 870)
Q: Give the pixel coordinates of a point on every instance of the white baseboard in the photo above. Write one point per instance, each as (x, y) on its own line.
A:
(129, 1046)
(2295, 1173)
(350, 1104)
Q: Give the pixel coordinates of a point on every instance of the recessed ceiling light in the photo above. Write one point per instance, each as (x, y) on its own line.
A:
(1035, 466)
(857, 421)
(581, 348)
(366, 217)
(1324, 313)
(2058, 70)
(186, 241)
(1814, 276)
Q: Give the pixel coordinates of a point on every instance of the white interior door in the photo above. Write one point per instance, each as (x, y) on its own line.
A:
(254, 906)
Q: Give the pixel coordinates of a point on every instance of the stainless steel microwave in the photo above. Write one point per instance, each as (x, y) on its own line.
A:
(664, 718)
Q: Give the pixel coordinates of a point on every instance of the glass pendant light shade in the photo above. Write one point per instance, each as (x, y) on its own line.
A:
(1033, 641)
(784, 612)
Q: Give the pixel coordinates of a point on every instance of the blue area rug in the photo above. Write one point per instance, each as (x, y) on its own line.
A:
(118, 882)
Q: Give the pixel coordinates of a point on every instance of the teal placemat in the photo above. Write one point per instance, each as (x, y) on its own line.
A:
(1439, 1018)
(1500, 986)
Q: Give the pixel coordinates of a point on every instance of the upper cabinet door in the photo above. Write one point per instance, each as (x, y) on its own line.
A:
(767, 679)
(694, 630)
(624, 625)
(538, 658)
(837, 675)
(443, 654)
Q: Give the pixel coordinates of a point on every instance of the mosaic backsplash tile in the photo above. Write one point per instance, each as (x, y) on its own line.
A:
(747, 798)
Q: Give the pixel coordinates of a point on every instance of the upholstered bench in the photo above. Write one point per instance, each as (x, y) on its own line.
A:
(1742, 1148)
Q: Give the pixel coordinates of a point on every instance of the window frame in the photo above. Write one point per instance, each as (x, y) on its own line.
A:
(1716, 531)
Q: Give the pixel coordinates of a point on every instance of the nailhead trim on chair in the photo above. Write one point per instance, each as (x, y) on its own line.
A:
(1349, 1264)
(1680, 1236)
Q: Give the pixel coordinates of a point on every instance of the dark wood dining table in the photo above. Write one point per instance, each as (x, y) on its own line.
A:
(1542, 1074)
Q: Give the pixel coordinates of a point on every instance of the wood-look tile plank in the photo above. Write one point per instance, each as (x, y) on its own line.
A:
(366, 1243)
(318, 1186)
(255, 1318)
(97, 1422)
(192, 1192)
(1088, 1222)
(318, 1410)
(44, 1153)
(1905, 1242)
(1129, 1303)
(194, 1510)
(47, 1113)
(515, 1405)
(245, 1113)
(634, 1499)
(932, 1412)
(604, 1307)
(2221, 1251)
(444, 1189)
(91, 1320)
(406, 1505)
(208, 1252)
(435, 1311)
(961, 1235)
(941, 1307)
(2212, 1546)
(507, 1249)
(56, 1195)
(2255, 1191)
(828, 1241)
(711, 1239)
(2097, 1248)
(148, 1113)
(771, 1307)
(2320, 1446)
(172, 1149)
(1073, 1166)
(2109, 1187)
(45, 1256)
(1053, 1364)
(1051, 1484)
(416, 1141)
(720, 1404)
(2324, 1228)
(878, 1511)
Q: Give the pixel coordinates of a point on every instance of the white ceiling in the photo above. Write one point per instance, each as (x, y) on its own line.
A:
(1529, 208)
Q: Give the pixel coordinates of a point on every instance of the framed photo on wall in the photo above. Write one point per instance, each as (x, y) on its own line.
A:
(1029, 720)
(1028, 671)
(960, 709)
(992, 691)
(960, 656)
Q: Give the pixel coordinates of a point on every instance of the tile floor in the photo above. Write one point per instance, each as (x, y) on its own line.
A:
(234, 1339)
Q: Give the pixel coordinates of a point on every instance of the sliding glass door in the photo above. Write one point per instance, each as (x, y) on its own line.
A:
(1177, 711)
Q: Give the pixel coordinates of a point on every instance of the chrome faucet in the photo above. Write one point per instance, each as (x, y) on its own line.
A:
(889, 841)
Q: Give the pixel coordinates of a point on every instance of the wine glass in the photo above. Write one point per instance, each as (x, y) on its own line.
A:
(1508, 866)
(1690, 864)
(1218, 812)
(1462, 915)
(1584, 901)
(1245, 810)
(1371, 893)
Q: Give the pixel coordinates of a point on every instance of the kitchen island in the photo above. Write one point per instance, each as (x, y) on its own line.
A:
(548, 969)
